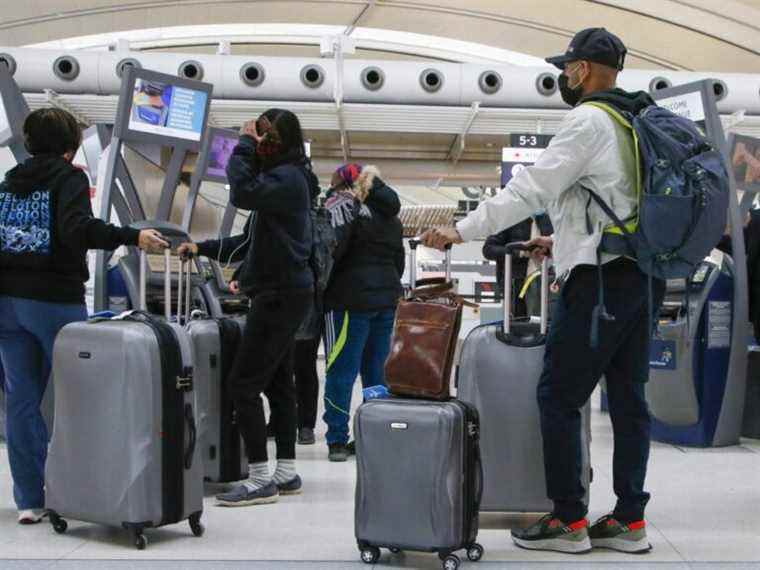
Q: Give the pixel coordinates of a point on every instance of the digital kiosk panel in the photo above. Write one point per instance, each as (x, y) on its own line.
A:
(221, 146)
(744, 156)
(162, 109)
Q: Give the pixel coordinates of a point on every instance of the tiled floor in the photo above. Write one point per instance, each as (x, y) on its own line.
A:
(705, 512)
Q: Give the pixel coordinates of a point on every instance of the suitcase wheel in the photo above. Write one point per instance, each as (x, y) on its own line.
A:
(59, 525)
(450, 561)
(475, 552)
(196, 526)
(141, 541)
(370, 554)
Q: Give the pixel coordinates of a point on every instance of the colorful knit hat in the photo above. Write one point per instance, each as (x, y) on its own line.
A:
(349, 173)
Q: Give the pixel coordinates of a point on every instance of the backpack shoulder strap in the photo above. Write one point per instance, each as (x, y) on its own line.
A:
(623, 121)
(616, 115)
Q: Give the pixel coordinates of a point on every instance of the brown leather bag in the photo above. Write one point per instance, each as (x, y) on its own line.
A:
(424, 341)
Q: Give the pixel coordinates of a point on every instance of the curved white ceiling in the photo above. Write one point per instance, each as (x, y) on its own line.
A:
(673, 34)
(434, 47)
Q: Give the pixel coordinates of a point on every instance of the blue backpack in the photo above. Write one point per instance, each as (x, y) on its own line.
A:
(683, 191)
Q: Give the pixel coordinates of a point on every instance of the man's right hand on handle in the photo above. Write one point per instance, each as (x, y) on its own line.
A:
(152, 240)
(187, 250)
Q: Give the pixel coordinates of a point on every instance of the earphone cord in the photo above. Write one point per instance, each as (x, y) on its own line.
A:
(238, 248)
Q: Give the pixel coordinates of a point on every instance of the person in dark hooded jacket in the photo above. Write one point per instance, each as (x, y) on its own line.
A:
(270, 175)
(46, 228)
(364, 289)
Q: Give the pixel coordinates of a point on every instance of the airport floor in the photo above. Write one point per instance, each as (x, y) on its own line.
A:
(705, 513)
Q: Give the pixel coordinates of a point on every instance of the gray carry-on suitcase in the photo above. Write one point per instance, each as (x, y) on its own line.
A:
(123, 451)
(418, 478)
(499, 371)
(215, 343)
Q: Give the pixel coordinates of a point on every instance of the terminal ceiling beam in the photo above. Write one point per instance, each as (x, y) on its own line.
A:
(55, 100)
(457, 149)
(365, 11)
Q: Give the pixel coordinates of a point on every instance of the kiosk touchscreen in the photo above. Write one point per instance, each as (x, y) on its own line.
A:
(744, 153)
(222, 143)
(163, 109)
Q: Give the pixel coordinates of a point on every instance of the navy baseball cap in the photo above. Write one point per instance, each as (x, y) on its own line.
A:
(593, 44)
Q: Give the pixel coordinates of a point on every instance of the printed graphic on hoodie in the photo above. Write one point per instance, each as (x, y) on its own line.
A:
(25, 223)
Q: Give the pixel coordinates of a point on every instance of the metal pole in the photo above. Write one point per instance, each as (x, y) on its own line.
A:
(507, 327)
(544, 296)
(143, 303)
(167, 285)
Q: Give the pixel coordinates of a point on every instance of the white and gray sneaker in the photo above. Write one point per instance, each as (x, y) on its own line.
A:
(244, 496)
(31, 516)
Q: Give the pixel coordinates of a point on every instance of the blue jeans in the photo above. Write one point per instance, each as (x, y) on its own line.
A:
(354, 342)
(27, 332)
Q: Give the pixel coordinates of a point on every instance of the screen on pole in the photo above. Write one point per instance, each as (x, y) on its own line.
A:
(162, 109)
(745, 161)
(165, 109)
(222, 145)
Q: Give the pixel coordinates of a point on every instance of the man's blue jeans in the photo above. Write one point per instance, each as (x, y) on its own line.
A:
(27, 332)
(355, 342)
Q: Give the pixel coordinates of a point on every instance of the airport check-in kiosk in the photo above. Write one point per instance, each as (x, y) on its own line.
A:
(155, 110)
(699, 348)
(211, 166)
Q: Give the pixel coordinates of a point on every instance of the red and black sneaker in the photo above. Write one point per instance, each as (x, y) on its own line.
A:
(550, 533)
(610, 533)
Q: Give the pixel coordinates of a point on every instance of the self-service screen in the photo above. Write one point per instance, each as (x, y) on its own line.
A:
(164, 109)
(745, 161)
(222, 145)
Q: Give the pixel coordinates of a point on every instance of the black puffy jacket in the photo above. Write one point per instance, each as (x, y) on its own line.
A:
(370, 256)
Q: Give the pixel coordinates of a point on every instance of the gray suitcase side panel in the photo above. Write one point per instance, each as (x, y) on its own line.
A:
(193, 477)
(95, 473)
(501, 381)
(410, 481)
(205, 337)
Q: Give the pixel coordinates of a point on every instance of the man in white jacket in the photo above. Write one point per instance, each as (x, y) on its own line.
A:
(593, 152)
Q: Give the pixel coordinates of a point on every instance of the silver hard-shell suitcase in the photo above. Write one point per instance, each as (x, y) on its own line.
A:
(215, 343)
(123, 451)
(418, 478)
(499, 371)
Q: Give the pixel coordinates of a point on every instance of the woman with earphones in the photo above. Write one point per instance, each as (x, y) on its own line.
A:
(270, 175)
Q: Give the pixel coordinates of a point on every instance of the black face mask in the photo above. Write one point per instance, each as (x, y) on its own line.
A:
(569, 95)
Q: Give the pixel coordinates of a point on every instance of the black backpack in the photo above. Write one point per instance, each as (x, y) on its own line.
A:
(321, 261)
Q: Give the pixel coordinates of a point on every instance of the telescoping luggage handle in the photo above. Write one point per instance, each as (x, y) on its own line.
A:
(413, 243)
(512, 248)
(183, 286)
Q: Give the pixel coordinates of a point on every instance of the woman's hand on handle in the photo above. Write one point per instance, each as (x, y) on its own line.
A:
(439, 238)
(541, 247)
(151, 240)
(187, 250)
(235, 287)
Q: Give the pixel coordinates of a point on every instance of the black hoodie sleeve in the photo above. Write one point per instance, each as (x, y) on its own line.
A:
(78, 227)
(495, 246)
(274, 190)
(228, 250)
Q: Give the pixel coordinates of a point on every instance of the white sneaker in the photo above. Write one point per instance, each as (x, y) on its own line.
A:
(31, 516)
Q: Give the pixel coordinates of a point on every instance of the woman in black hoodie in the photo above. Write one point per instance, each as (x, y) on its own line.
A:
(270, 175)
(46, 228)
(363, 292)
